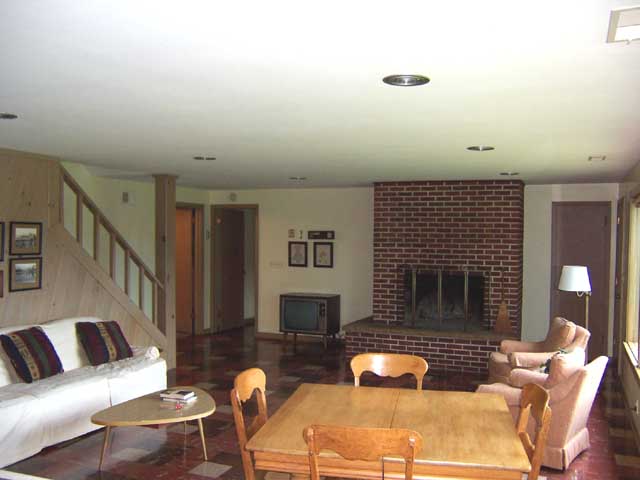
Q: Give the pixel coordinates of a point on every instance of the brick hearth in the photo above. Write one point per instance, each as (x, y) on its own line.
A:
(448, 225)
(445, 352)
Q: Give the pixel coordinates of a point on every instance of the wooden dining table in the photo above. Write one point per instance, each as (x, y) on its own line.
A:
(466, 435)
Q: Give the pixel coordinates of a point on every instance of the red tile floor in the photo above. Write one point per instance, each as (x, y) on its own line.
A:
(211, 362)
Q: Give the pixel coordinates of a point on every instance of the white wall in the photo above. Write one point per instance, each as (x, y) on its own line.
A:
(537, 249)
(136, 221)
(348, 211)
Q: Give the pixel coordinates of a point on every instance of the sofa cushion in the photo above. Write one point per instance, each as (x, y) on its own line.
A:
(31, 354)
(103, 342)
(62, 334)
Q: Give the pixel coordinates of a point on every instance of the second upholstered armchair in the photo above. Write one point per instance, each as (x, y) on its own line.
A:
(562, 335)
(572, 388)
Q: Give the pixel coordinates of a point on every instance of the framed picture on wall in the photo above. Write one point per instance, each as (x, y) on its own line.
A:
(323, 254)
(297, 254)
(26, 238)
(1, 242)
(25, 274)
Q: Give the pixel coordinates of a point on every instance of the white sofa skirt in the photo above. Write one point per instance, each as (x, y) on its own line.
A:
(59, 408)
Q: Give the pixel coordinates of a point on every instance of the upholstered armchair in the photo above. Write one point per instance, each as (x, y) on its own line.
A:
(572, 389)
(562, 334)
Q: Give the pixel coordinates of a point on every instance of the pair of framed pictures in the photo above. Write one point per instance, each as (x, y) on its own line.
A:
(25, 240)
(322, 254)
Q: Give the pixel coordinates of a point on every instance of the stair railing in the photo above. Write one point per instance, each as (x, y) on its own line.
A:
(130, 259)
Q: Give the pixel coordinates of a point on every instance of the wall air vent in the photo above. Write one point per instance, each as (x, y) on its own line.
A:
(624, 25)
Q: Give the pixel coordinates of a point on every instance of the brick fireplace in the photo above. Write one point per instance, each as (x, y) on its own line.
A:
(444, 225)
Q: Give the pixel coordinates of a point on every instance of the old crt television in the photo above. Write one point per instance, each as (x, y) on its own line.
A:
(312, 313)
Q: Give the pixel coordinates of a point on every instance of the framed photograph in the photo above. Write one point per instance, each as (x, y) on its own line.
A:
(1, 242)
(297, 254)
(26, 238)
(25, 274)
(323, 254)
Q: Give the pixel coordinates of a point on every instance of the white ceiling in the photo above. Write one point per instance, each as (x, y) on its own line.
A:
(276, 89)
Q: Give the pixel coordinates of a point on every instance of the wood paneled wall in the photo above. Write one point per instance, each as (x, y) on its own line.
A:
(73, 284)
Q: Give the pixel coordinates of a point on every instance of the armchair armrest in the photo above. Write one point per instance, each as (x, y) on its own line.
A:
(509, 346)
(520, 377)
(529, 359)
(562, 390)
(510, 394)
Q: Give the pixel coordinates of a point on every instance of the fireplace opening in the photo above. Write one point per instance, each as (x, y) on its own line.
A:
(444, 300)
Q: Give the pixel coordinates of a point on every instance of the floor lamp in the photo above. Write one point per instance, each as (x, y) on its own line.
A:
(575, 278)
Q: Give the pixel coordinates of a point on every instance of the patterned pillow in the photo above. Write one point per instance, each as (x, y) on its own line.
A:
(103, 342)
(31, 354)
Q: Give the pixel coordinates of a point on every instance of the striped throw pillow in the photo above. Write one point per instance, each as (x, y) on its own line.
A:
(31, 354)
(103, 342)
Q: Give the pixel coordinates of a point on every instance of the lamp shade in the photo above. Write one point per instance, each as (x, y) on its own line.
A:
(574, 278)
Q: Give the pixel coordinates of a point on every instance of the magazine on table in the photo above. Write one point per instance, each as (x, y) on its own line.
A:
(178, 394)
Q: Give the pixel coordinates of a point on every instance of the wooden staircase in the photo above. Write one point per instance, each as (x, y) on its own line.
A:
(111, 261)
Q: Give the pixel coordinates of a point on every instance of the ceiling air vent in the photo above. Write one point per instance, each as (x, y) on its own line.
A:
(624, 25)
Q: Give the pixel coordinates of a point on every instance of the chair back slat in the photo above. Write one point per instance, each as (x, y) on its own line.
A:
(534, 404)
(244, 386)
(389, 365)
(360, 443)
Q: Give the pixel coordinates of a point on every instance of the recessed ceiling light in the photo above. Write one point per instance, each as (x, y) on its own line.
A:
(299, 179)
(597, 158)
(509, 174)
(406, 80)
(480, 148)
(8, 116)
(201, 157)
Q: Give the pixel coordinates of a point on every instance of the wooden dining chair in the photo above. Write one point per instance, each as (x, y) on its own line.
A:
(389, 365)
(360, 443)
(534, 403)
(244, 385)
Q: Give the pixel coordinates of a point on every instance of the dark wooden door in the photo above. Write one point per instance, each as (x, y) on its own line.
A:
(581, 235)
(229, 260)
(185, 304)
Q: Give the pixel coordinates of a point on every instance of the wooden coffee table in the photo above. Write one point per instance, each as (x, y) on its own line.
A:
(152, 410)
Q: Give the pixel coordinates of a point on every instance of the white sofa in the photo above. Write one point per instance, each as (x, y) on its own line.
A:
(59, 408)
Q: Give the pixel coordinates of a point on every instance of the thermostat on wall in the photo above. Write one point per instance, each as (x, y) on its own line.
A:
(321, 235)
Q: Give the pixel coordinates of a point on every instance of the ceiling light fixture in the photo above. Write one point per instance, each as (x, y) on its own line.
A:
(480, 148)
(408, 80)
(298, 179)
(509, 174)
(597, 158)
(201, 158)
(8, 116)
(624, 25)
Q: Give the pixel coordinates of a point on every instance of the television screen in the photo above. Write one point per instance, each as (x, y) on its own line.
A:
(301, 315)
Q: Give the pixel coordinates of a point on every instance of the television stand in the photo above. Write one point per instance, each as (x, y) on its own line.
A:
(309, 314)
(295, 338)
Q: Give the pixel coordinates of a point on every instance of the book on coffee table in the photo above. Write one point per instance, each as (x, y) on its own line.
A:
(177, 394)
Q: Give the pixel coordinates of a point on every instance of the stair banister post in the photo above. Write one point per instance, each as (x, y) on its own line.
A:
(165, 193)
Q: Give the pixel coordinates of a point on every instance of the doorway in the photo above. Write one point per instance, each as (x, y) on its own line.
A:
(581, 235)
(189, 269)
(234, 266)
